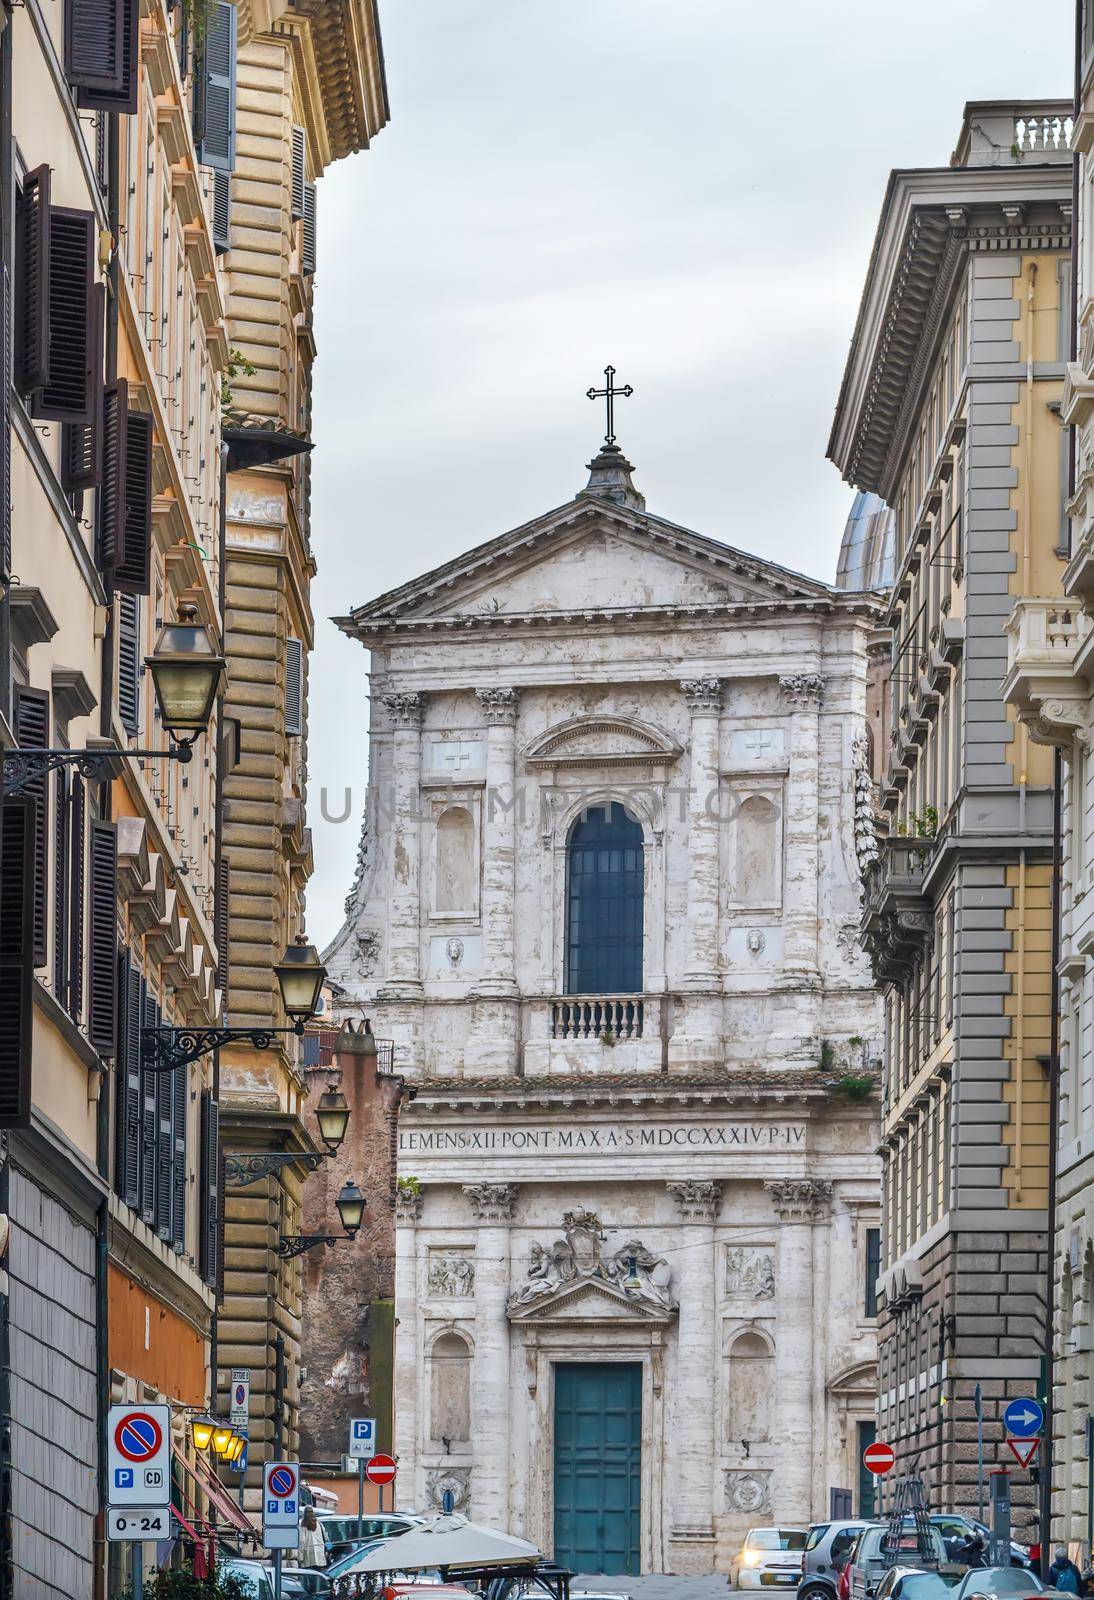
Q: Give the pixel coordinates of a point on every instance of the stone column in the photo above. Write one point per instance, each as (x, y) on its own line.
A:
(408, 1378)
(499, 844)
(704, 696)
(404, 979)
(492, 1206)
(797, 1201)
(693, 1388)
(803, 690)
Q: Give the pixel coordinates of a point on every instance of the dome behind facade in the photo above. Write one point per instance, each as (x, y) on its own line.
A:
(868, 553)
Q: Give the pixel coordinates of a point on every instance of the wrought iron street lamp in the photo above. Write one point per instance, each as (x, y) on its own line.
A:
(332, 1115)
(223, 1436)
(186, 673)
(350, 1205)
(300, 975)
(202, 1430)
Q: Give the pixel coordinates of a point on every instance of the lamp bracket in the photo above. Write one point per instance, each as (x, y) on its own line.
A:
(241, 1168)
(23, 767)
(297, 1244)
(164, 1049)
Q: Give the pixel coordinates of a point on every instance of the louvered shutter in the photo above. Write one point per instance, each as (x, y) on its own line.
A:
(32, 282)
(76, 904)
(68, 393)
(223, 923)
(299, 173)
(294, 686)
(102, 937)
(32, 723)
(102, 65)
(60, 885)
(17, 835)
(210, 1189)
(110, 530)
(82, 442)
(180, 1095)
(5, 422)
(127, 1161)
(307, 250)
(129, 662)
(132, 572)
(215, 89)
(165, 1151)
(149, 1125)
(222, 212)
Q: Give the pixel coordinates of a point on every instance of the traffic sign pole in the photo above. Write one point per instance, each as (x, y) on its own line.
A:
(360, 1497)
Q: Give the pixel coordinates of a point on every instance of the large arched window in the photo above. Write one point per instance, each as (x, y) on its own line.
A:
(604, 903)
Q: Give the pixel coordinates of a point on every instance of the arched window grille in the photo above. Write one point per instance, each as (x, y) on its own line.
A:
(604, 899)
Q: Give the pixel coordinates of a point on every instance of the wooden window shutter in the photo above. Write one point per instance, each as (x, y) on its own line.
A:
(180, 1096)
(209, 1263)
(222, 914)
(165, 1151)
(102, 938)
(76, 903)
(32, 282)
(60, 886)
(68, 393)
(215, 90)
(129, 663)
(5, 421)
(294, 686)
(101, 53)
(307, 250)
(222, 212)
(127, 1144)
(32, 724)
(82, 442)
(299, 174)
(150, 1013)
(132, 571)
(17, 839)
(110, 528)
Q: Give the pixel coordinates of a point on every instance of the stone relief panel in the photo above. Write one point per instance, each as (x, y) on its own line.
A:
(748, 1493)
(450, 1274)
(455, 1481)
(757, 747)
(749, 1272)
(455, 955)
(455, 758)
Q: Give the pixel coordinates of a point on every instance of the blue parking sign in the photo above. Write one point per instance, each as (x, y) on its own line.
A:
(123, 1477)
(362, 1437)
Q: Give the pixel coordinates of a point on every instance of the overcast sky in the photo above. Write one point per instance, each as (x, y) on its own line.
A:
(688, 190)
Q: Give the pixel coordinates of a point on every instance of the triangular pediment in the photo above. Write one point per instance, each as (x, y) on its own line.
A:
(588, 554)
(591, 1299)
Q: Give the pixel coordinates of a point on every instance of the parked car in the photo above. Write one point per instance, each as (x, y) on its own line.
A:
(769, 1558)
(957, 1529)
(343, 1533)
(827, 1547)
(304, 1583)
(1002, 1583)
(255, 1578)
(913, 1583)
(873, 1555)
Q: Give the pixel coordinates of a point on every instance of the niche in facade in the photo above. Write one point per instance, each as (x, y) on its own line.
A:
(450, 1389)
(455, 877)
(750, 1376)
(757, 850)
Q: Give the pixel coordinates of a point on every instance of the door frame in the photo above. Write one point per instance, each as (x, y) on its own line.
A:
(545, 1347)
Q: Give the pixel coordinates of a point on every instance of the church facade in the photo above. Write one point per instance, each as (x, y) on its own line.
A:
(606, 908)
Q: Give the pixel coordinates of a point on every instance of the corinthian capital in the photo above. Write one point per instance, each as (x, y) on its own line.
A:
(804, 690)
(799, 1199)
(404, 709)
(498, 705)
(491, 1202)
(696, 1200)
(702, 694)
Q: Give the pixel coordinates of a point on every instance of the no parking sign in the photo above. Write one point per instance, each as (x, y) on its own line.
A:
(281, 1505)
(138, 1461)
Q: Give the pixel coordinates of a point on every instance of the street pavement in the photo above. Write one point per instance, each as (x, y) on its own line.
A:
(656, 1586)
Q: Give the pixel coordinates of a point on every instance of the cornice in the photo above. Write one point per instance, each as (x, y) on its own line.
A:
(804, 1093)
(342, 67)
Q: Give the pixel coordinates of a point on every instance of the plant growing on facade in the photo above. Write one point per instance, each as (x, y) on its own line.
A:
(853, 1086)
(238, 367)
(197, 14)
(408, 1187)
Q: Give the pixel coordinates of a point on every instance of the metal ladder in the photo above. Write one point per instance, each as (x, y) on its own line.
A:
(910, 1503)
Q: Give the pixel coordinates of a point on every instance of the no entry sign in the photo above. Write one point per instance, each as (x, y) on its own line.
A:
(381, 1469)
(878, 1458)
(138, 1463)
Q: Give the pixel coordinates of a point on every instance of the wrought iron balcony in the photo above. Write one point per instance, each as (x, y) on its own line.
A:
(898, 918)
(1046, 681)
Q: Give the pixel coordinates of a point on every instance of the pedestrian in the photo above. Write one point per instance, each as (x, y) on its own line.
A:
(313, 1550)
(1064, 1574)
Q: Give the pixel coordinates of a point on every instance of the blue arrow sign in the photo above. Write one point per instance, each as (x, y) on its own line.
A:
(1024, 1419)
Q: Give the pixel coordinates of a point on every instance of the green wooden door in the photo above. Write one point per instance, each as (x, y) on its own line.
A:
(598, 1458)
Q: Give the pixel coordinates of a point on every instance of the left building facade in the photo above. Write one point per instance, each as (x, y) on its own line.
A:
(113, 346)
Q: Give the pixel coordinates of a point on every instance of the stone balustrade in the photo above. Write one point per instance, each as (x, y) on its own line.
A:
(1046, 667)
(588, 1034)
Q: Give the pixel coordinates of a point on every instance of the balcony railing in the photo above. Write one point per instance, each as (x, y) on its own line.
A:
(597, 1017)
(1045, 640)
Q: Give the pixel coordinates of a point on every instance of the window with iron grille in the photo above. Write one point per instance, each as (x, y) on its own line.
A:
(873, 1269)
(604, 903)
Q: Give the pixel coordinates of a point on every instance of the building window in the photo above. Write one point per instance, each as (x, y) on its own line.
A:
(873, 1269)
(867, 1433)
(604, 903)
(450, 1390)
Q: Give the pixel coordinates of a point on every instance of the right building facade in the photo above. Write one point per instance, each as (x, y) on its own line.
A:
(950, 411)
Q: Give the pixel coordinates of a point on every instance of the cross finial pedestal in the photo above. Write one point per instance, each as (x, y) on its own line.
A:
(608, 394)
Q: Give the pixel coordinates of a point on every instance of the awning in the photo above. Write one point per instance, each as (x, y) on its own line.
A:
(210, 1485)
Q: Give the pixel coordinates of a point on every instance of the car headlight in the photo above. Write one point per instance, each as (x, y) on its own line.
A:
(751, 1558)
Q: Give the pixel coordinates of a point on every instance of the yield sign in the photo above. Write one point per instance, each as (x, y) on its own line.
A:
(1023, 1450)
